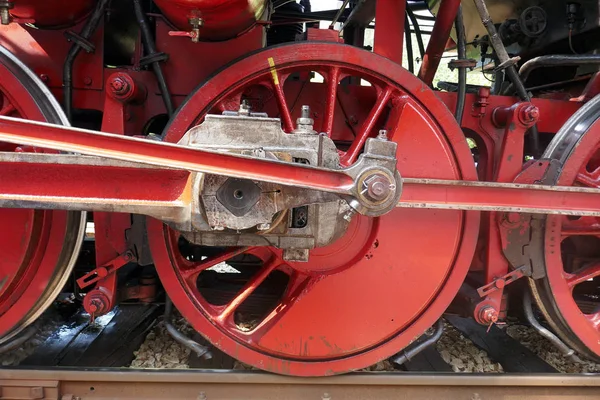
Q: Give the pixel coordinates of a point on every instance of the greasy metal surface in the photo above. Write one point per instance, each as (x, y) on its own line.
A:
(168, 155)
(494, 196)
(259, 205)
(378, 154)
(417, 193)
(69, 384)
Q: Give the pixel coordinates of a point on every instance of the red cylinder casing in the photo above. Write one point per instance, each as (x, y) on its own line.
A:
(221, 19)
(51, 13)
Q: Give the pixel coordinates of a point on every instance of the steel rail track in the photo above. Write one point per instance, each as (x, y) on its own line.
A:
(69, 384)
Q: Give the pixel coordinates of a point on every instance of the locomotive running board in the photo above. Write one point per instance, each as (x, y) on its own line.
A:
(152, 177)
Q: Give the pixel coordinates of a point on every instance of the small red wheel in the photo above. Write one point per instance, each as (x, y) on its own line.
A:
(569, 294)
(369, 294)
(38, 248)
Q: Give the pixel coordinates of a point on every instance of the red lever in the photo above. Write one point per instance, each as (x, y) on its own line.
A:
(190, 34)
(108, 268)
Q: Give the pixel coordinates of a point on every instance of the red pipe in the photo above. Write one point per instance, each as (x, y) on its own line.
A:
(389, 29)
(439, 37)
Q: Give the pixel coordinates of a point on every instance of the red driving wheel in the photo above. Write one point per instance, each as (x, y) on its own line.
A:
(369, 294)
(568, 295)
(38, 248)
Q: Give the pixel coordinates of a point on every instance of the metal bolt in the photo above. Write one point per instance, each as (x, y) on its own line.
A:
(201, 396)
(263, 227)
(4, 13)
(530, 114)
(44, 78)
(245, 108)
(94, 307)
(87, 81)
(305, 112)
(378, 187)
(488, 315)
(326, 396)
(348, 216)
(382, 135)
(304, 124)
(119, 86)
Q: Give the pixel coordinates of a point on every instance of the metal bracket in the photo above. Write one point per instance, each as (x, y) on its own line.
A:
(507, 279)
(152, 58)
(80, 41)
(507, 64)
(109, 268)
(469, 63)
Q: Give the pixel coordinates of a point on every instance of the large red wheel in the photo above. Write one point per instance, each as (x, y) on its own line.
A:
(369, 294)
(569, 294)
(37, 248)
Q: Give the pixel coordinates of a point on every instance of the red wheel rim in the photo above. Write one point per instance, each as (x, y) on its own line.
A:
(567, 276)
(38, 247)
(344, 309)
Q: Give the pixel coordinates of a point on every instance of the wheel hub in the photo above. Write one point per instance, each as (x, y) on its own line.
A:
(353, 300)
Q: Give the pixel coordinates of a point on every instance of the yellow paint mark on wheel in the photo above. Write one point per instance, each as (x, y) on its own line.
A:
(273, 71)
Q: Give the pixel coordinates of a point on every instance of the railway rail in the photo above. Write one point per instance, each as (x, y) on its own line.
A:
(65, 384)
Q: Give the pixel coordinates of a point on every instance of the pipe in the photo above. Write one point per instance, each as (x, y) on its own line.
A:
(557, 61)
(18, 341)
(201, 351)
(461, 45)
(417, 29)
(338, 14)
(409, 49)
(409, 353)
(151, 50)
(86, 33)
(545, 332)
(439, 38)
(511, 71)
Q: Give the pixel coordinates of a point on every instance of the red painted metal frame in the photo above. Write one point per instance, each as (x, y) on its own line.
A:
(439, 37)
(110, 228)
(388, 42)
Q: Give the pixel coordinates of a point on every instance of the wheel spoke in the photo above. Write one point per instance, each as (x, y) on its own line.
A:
(394, 125)
(298, 284)
(284, 110)
(584, 226)
(590, 179)
(583, 275)
(358, 143)
(333, 77)
(247, 290)
(190, 273)
(594, 319)
(7, 109)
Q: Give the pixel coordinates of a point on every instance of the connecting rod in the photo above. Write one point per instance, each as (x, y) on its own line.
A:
(125, 174)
